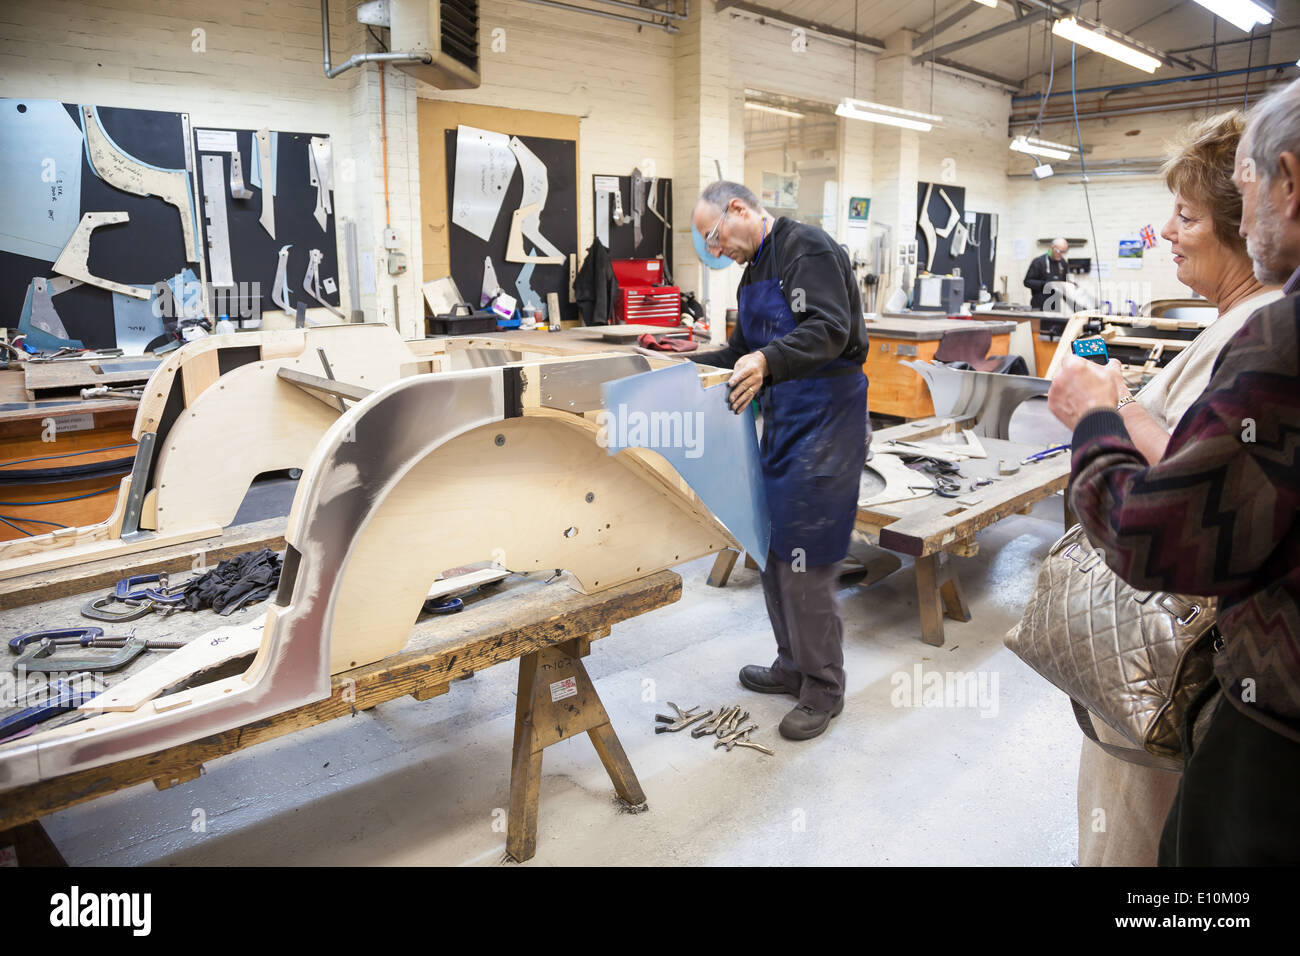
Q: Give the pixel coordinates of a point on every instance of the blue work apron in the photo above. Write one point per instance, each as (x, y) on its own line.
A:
(814, 443)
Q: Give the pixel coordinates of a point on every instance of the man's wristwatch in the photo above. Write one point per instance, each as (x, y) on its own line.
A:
(1124, 401)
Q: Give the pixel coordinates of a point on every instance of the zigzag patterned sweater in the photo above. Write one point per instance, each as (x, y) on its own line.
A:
(1218, 514)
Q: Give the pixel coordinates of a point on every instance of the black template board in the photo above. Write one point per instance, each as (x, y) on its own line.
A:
(149, 248)
(254, 255)
(976, 262)
(559, 223)
(622, 239)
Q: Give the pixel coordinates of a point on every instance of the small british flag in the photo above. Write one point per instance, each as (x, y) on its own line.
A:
(1148, 237)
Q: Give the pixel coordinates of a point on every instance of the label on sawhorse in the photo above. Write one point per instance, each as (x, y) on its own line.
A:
(562, 689)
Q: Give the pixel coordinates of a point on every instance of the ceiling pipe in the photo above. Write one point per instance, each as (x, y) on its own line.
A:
(1127, 111)
(667, 14)
(1199, 77)
(360, 58)
(556, 5)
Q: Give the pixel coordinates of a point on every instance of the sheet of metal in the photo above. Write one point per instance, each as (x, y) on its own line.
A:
(40, 177)
(990, 397)
(638, 205)
(280, 291)
(577, 386)
(528, 299)
(602, 218)
(36, 336)
(485, 165)
(461, 359)
(322, 177)
(262, 140)
(135, 322)
(693, 428)
(311, 280)
(218, 231)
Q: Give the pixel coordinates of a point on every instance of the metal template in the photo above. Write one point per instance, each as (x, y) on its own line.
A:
(322, 177)
(218, 231)
(990, 397)
(72, 260)
(125, 172)
(311, 280)
(266, 168)
(280, 288)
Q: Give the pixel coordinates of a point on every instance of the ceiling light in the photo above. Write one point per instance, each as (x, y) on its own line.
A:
(764, 108)
(1070, 29)
(988, 3)
(1245, 15)
(889, 115)
(1040, 147)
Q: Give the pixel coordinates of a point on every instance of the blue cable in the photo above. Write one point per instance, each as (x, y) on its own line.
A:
(33, 521)
(1083, 167)
(16, 528)
(70, 454)
(53, 501)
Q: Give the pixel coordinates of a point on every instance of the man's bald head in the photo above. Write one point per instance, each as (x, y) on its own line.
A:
(1059, 248)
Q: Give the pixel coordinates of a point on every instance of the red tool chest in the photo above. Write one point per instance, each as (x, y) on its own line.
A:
(641, 299)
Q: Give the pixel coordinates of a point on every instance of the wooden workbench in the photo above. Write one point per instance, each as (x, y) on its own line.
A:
(934, 530)
(548, 627)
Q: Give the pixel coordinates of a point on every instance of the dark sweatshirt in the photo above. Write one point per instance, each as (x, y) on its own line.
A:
(829, 326)
(1217, 515)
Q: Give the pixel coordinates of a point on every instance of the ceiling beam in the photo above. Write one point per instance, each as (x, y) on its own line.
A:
(966, 9)
(825, 29)
(988, 34)
(1012, 86)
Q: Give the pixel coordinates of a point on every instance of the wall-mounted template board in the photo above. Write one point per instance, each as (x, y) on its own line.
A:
(244, 256)
(656, 238)
(515, 195)
(950, 236)
(48, 183)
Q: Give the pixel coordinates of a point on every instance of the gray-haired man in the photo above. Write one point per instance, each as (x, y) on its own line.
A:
(798, 348)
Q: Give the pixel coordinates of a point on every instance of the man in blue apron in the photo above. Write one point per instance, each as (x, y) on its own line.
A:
(798, 348)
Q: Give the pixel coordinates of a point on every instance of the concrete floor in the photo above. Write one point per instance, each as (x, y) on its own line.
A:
(426, 782)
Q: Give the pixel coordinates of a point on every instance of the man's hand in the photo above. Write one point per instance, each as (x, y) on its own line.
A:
(1081, 386)
(746, 380)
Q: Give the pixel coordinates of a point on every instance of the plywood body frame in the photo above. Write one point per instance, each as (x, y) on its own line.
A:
(369, 349)
(252, 422)
(355, 488)
(473, 498)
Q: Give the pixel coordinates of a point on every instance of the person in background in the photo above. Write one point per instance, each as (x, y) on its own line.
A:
(798, 347)
(1051, 266)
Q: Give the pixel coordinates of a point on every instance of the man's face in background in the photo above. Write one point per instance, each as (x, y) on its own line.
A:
(1059, 251)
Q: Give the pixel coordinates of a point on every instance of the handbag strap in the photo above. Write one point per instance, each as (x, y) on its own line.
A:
(1128, 754)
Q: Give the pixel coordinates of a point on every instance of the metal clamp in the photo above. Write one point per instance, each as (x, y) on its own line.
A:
(67, 635)
(41, 658)
(100, 609)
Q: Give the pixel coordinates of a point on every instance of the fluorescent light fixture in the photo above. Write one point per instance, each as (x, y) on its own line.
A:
(988, 3)
(1245, 15)
(764, 108)
(1070, 29)
(889, 115)
(1041, 147)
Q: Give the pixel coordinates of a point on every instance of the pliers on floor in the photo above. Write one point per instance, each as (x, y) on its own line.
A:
(741, 739)
(683, 719)
(711, 727)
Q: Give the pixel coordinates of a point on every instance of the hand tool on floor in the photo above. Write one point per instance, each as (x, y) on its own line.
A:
(42, 658)
(730, 735)
(744, 741)
(60, 698)
(683, 719)
(731, 723)
(66, 635)
(711, 726)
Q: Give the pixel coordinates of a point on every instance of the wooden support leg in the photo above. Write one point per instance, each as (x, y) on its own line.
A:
(928, 599)
(557, 701)
(29, 845)
(954, 598)
(722, 565)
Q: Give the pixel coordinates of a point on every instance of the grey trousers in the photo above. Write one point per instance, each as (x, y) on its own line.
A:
(805, 613)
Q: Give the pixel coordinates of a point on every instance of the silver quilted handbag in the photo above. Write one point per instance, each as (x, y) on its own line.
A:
(1135, 659)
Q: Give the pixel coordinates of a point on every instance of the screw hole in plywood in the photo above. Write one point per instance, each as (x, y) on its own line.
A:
(570, 532)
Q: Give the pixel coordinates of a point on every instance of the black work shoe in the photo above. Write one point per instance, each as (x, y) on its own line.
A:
(804, 723)
(758, 678)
